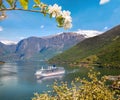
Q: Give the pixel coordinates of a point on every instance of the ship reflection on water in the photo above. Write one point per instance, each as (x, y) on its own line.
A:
(57, 77)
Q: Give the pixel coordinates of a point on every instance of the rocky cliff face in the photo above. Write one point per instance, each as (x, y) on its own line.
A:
(7, 52)
(6, 49)
(2, 48)
(39, 48)
(46, 47)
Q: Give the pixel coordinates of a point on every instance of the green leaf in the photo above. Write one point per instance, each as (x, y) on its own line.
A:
(35, 6)
(24, 3)
(0, 2)
(37, 1)
(50, 15)
(60, 21)
(10, 2)
(44, 14)
(3, 6)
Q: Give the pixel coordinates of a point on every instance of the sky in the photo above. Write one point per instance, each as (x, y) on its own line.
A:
(98, 15)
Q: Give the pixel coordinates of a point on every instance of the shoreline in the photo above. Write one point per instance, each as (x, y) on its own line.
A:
(2, 62)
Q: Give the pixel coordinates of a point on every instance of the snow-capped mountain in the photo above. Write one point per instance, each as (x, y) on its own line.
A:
(40, 47)
(89, 33)
(8, 42)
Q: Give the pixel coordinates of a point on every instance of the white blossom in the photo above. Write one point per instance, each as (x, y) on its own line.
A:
(2, 15)
(66, 15)
(67, 25)
(55, 10)
(42, 6)
(67, 19)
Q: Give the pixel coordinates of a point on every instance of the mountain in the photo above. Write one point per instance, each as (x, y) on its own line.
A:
(88, 33)
(101, 50)
(39, 48)
(46, 47)
(6, 51)
(2, 48)
(7, 42)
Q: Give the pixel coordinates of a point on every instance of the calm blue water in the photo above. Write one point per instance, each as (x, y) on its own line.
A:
(18, 82)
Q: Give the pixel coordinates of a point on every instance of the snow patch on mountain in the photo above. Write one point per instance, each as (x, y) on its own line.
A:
(8, 42)
(88, 33)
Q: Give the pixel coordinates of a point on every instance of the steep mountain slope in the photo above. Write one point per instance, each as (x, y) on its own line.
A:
(7, 52)
(46, 47)
(110, 55)
(93, 49)
(6, 49)
(39, 48)
(2, 48)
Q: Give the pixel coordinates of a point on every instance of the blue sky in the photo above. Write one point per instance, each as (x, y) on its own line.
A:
(86, 15)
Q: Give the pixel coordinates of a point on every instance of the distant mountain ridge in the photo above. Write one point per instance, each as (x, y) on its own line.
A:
(6, 49)
(103, 50)
(39, 48)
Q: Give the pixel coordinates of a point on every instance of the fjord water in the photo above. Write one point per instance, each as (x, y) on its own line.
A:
(18, 82)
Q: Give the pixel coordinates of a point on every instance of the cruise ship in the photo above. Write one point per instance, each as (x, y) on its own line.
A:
(50, 71)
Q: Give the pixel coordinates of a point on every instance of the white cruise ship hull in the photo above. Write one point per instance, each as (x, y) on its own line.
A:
(50, 74)
(41, 73)
(53, 74)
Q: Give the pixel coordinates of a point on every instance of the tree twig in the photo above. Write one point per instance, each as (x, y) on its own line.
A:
(14, 5)
(10, 9)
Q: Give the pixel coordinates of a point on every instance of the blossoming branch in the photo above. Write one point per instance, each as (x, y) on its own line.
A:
(63, 18)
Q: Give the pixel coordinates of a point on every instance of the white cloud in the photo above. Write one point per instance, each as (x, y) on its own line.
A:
(89, 33)
(1, 28)
(102, 2)
(21, 38)
(105, 28)
(42, 26)
(8, 42)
